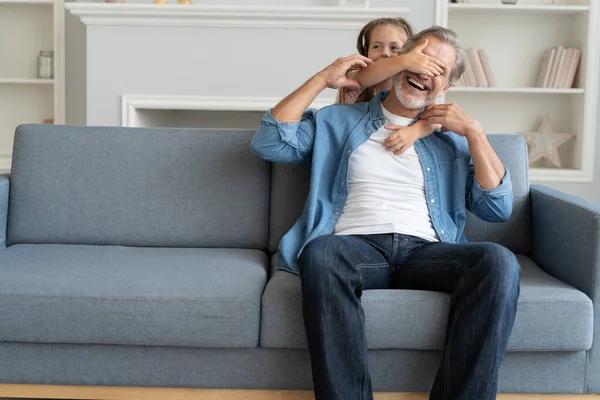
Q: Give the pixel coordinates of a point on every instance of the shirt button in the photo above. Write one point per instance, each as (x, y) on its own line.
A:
(342, 184)
(336, 213)
(369, 131)
(432, 200)
(428, 169)
(349, 151)
(443, 231)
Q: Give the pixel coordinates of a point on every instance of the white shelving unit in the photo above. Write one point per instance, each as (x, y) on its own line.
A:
(26, 27)
(515, 38)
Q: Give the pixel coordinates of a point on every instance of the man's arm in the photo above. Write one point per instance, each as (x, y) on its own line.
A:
(489, 189)
(489, 170)
(287, 131)
(333, 76)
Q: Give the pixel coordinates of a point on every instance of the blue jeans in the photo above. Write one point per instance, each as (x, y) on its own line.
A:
(482, 278)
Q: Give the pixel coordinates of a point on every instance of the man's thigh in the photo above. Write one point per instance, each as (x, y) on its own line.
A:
(364, 256)
(440, 266)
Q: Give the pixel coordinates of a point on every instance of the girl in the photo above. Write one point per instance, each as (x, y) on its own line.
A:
(380, 40)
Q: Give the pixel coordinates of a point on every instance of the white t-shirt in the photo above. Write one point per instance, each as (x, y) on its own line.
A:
(386, 193)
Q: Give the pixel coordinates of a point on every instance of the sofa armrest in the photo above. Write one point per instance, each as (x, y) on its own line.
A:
(566, 244)
(4, 191)
(566, 237)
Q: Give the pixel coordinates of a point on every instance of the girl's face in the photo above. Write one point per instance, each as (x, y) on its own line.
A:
(386, 41)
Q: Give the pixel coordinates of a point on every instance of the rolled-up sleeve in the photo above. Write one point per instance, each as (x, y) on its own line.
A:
(287, 142)
(494, 205)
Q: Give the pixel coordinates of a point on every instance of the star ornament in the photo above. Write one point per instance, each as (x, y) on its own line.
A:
(545, 143)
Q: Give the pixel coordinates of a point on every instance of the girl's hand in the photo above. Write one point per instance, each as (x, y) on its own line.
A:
(420, 63)
(402, 139)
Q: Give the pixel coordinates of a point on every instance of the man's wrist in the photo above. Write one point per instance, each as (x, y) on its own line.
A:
(475, 133)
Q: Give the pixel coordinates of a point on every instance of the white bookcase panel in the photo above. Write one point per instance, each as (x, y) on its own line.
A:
(515, 38)
(21, 105)
(26, 28)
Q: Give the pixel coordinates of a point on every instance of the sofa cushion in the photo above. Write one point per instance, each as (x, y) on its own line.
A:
(551, 315)
(137, 187)
(131, 296)
(290, 185)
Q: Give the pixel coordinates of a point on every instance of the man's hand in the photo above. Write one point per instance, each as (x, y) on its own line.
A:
(334, 75)
(452, 118)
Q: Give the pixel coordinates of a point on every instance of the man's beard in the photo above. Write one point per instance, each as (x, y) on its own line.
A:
(410, 103)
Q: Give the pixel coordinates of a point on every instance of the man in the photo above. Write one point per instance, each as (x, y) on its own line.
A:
(375, 220)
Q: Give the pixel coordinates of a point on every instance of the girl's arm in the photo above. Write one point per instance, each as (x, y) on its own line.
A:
(405, 136)
(415, 61)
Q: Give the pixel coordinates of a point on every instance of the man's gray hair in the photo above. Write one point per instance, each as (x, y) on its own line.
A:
(445, 35)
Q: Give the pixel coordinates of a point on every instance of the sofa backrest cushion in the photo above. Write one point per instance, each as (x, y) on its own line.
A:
(137, 187)
(290, 184)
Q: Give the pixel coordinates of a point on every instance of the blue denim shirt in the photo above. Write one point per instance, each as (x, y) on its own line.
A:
(327, 137)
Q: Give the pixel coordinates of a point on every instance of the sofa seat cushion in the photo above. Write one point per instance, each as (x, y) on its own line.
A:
(551, 315)
(131, 296)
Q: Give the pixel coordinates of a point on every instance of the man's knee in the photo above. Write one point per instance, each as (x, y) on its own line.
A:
(502, 267)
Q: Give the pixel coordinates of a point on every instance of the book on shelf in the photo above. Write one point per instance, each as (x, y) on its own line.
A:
(485, 63)
(470, 79)
(561, 81)
(570, 80)
(554, 66)
(544, 75)
(558, 68)
(477, 69)
(475, 62)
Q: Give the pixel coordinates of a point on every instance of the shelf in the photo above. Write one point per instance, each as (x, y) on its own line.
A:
(541, 9)
(463, 89)
(26, 81)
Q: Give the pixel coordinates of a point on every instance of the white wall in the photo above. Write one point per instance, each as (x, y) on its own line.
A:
(422, 11)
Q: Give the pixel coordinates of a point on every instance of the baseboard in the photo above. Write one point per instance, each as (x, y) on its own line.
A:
(144, 393)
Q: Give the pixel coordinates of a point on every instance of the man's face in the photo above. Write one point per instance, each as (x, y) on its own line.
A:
(416, 91)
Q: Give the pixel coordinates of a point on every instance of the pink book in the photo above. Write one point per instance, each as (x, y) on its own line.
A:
(554, 67)
(544, 75)
(561, 66)
(470, 75)
(477, 68)
(485, 63)
(573, 68)
(562, 79)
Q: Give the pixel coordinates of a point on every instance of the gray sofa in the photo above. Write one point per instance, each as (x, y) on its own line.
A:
(144, 257)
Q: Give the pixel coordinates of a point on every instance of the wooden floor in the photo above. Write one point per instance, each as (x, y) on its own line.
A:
(131, 393)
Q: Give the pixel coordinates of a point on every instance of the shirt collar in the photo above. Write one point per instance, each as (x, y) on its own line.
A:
(375, 110)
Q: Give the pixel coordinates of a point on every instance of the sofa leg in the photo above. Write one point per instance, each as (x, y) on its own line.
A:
(145, 393)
